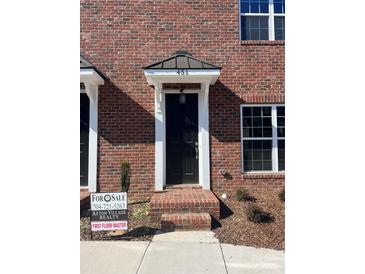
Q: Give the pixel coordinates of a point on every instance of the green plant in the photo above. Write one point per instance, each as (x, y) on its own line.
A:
(257, 215)
(282, 195)
(244, 195)
(139, 212)
(124, 176)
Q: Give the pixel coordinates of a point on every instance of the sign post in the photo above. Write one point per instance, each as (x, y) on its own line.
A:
(109, 211)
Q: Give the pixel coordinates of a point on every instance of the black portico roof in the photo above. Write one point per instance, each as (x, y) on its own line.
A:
(86, 64)
(181, 60)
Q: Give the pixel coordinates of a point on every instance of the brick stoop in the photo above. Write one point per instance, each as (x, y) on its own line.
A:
(84, 198)
(184, 200)
(186, 221)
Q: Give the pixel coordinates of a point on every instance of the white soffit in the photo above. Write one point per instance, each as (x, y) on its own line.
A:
(90, 76)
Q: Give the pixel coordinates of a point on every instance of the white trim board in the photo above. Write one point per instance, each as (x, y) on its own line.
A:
(172, 76)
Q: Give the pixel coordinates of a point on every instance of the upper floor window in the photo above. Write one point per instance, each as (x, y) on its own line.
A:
(262, 19)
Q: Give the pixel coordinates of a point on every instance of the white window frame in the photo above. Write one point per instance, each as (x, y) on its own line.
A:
(274, 138)
(271, 16)
(278, 138)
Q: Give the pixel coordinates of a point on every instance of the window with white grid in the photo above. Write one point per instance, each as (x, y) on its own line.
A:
(263, 138)
(262, 19)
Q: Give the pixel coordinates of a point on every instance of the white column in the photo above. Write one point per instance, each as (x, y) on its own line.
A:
(92, 92)
(160, 157)
(271, 20)
(204, 159)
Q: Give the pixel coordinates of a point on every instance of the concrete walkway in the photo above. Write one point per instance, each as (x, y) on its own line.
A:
(178, 252)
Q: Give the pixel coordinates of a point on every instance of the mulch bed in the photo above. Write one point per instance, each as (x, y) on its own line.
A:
(234, 227)
(237, 229)
(140, 227)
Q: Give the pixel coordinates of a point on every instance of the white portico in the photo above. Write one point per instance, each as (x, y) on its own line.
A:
(182, 68)
(91, 78)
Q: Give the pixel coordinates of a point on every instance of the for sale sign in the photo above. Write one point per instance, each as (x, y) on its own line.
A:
(109, 211)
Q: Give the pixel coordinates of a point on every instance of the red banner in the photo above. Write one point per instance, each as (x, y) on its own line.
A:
(113, 225)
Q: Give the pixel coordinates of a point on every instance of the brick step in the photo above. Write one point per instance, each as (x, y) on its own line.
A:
(184, 201)
(186, 221)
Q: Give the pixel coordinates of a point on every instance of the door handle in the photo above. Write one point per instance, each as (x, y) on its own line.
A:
(196, 150)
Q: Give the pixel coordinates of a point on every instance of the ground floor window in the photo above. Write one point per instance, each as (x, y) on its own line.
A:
(263, 138)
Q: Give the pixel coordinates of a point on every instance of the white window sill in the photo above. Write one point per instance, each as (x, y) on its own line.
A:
(262, 42)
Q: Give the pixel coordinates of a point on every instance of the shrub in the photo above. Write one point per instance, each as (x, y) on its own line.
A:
(139, 212)
(257, 215)
(244, 195)
(124, 177)
(282, 195)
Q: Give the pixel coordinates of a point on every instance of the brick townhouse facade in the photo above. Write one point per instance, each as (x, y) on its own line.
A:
(187, 92)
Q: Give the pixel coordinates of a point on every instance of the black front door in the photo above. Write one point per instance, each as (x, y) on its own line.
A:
(84, 138)
(182, 139)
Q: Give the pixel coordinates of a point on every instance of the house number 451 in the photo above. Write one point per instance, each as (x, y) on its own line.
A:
(182, 71)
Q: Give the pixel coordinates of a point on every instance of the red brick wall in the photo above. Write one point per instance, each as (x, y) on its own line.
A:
(120, 37)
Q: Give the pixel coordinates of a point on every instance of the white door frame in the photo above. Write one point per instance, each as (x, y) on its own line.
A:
(203, 135)
(93, 140)
(91, 80)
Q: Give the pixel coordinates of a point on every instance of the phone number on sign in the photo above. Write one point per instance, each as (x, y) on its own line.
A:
(108, 206)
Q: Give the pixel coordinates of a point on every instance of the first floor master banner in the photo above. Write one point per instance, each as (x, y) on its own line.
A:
(113, 225)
